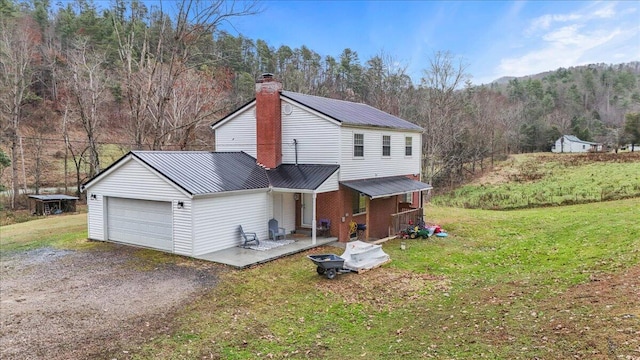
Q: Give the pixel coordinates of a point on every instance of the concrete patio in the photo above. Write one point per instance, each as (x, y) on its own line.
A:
(240, 257)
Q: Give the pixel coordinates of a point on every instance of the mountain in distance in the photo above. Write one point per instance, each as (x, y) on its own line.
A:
(633, 67)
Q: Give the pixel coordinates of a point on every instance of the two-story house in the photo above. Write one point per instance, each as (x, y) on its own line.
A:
(284, 155)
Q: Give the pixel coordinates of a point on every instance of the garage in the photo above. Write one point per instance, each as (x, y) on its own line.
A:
(140, 222)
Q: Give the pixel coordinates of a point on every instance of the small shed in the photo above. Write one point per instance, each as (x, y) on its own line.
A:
(52, 204)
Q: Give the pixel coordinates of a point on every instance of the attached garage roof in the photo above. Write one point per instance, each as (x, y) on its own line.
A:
(303, 176)
(387, 186)
(203, 172)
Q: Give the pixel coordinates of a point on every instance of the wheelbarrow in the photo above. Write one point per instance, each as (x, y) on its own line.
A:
(328, 265)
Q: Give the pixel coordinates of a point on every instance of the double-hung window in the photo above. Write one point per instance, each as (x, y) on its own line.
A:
(408, 146)
(386, 145)
(358, 145)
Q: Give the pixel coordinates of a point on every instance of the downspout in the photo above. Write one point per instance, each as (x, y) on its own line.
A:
(295, 146)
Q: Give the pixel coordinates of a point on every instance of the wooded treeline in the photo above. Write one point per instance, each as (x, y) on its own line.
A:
(77, 78)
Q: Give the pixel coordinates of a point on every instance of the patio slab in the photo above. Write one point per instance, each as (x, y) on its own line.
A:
(240, 257)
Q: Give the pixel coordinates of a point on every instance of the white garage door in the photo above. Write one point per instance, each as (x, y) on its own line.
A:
(140, 222)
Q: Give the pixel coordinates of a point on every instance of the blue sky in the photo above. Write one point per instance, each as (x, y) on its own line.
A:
(495, 38)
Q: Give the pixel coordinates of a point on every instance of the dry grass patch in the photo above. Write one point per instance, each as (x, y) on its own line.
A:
(383, 288)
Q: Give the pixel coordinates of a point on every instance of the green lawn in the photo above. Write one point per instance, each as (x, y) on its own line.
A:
(550, 283)
(535, 180)
(64, 231)
(495, 288)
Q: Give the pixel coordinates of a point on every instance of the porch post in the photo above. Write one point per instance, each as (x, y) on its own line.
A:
(313, 221)
(367, 203)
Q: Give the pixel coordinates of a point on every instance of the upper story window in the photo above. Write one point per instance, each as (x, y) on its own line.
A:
(358, 145)
(408, 146)
(386, 145)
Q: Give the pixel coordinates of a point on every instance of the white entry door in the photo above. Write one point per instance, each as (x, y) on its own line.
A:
(307, 209)
(140, 222)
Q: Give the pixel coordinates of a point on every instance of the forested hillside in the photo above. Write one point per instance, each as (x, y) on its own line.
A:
(81, 80)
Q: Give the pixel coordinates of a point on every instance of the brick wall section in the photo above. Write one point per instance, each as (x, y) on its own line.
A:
(336, 204)
(415, 201)
(380, 216)
(268, 123)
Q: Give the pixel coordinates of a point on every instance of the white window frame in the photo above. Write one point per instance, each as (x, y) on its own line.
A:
(409, 146)
(361, 145)
(386, 146)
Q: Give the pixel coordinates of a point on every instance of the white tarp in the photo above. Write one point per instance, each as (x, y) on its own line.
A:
(360, 255)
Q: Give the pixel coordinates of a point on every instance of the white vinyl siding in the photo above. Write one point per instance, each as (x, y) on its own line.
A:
(372, 164)
(216, 220)
(331, 184)
(238, 134)
(182, 228)
(132, 180)
(318, 139)
(95, 217)
(284, 206)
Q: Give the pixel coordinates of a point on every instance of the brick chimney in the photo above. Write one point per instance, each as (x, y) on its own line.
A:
(268, 122)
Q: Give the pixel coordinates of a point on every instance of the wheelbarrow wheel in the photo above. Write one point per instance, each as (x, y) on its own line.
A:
(320, 270)
(331, 273)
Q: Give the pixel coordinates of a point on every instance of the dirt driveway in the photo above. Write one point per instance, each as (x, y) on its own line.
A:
(99, 303)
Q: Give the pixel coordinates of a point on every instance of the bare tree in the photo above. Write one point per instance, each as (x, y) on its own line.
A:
(18, 53)
(195, 99)
(87, 81)
(441, 112)
(153, 66)
(36, 144)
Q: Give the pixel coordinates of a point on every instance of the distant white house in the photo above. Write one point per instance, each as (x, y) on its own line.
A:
(571, 144)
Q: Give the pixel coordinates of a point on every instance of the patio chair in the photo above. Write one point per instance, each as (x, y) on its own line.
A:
(324, 227)
(275, 230)
(248, 237)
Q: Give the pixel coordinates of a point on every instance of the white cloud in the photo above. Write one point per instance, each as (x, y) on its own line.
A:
(544, 22)
(564, 48)
(596, 33)
(567, 35)
(607, 11)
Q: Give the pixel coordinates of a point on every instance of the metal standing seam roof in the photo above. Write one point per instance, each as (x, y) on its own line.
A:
(213, 172)
(302, 176)
(346, 112)
(575, 139)
(351, 113)
(386, 186)
(202, 172)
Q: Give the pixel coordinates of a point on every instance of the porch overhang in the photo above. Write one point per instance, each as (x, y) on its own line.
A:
(376, 188)
(300, 178)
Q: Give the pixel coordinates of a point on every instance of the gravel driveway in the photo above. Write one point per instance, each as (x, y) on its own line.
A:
(104, 303)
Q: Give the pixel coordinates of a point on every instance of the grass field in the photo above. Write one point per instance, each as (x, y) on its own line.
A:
(544, 283)
(550, 283)
(535, 180)
(501, 286)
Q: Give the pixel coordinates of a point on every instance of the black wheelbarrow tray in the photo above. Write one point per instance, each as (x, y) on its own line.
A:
(328, 265)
